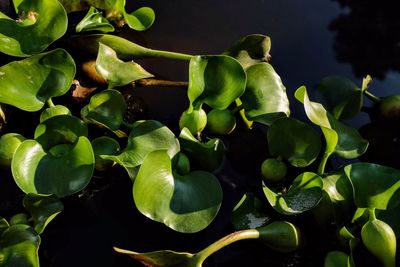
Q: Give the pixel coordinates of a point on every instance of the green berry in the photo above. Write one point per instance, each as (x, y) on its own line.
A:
(8, 145)
(194, 121)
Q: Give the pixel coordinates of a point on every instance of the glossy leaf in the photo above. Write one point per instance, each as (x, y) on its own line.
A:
(40, 24)
(281, 236)
(62, 170)
(43, 209)
(61, 129)
(342, 97)
(94, 21)
(106, 108)
(374, 186)
(177, 201)
(304, 194)
(104, 145)
(248, 213)
(19, 218)
(265, 98)
(19, 246)
(208, 156)
(9, 142)
(215, 80)
(350, 143)
(251, 49)
(336, 259)
(115, 71)
(337, 203)
(294, 140)
(54, 111)
(141, 19)
(161, 258)
(145, 137)
(29, 83)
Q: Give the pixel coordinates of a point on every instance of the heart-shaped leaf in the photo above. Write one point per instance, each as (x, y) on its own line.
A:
(43, 209)
(177, 201)
(374, 186)
(248, 213)
(215, 80)
(350, 143)
(94, 21)
(303, 195)
(342, 97)
(208, 156)
(337, 198)
(115, 71)
(141, 19)
(265, 98)
(106, 108)
(54, 111)
(29, 83)
(294, 140)
(161, 258)
(104, 145)
(41, 22)
(19, 246)
(145, 137)
(62, 170)
(251, 49)
(60, 129)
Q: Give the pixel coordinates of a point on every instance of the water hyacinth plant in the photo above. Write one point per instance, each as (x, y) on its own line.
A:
(181, 173)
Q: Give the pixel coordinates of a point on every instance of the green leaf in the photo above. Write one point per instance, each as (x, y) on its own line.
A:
(115, 71)
(141, 19)
(294, 140)
(337, 203)
(41, 22)
(251, 49)
(208, 156)
(177, 201)
(265, 98)
(342, 97)
(215, 80)
(62, 170)
(145, 137)
(19, 246)
(350, 144)
(106, 108)
(61, 129)
(29, 83)
(336, 259)
(248, 213)
(20, 218)
(43, 209)
(3, 225)
(104, 145)
(161, 258)
(9, 142)
(304, 194)
(94, 21)
(54, 111)
(374, 186)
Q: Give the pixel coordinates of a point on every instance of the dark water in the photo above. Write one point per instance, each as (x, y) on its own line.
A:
(310, 40)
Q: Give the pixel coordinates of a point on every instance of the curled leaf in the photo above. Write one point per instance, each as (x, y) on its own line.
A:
(94, 21)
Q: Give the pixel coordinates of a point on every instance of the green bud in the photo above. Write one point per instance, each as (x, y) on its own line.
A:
(273, 170)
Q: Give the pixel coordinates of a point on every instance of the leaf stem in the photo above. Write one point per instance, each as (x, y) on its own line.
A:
(168, 54)
(237, 109)
(322, 164)
(247, 122)
(371, 213)
(200, 257)
(157, 82)
(50, 103)
(372, 97)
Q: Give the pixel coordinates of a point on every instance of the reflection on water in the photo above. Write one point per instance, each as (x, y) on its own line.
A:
(368, 36)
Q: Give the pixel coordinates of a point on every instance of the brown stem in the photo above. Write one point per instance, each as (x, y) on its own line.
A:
(157, 82)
